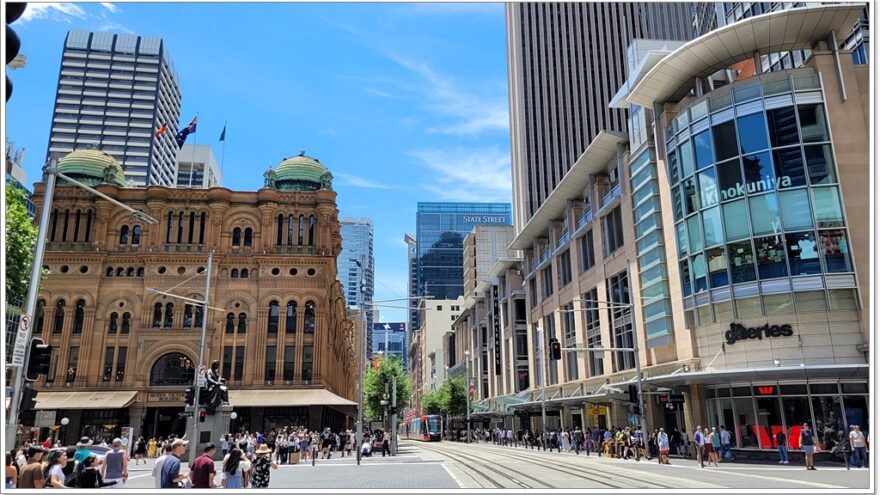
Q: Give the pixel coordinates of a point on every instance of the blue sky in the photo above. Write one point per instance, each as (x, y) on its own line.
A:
(402, 102)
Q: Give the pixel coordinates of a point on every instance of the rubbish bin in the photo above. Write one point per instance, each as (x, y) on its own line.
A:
(293, 457)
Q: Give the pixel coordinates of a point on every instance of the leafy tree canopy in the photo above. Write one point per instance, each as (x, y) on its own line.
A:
(374, 386)
(21, 240)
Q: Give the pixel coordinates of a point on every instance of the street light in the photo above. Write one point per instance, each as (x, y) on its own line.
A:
(51, 172)
(467, 396)
(65, 421)
(634, 349)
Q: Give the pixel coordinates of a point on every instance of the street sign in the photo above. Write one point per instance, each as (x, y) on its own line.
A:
(21, 343)
(185, 414)
(201, 382)
(596, 411)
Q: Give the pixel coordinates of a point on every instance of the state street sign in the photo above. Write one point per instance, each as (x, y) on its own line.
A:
(21, 343)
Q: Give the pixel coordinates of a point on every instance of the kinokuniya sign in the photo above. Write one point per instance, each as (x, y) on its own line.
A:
(709, 191)
(738, 332)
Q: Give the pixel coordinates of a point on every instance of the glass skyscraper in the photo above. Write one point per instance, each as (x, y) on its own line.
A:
(440, 231)
(357, 245)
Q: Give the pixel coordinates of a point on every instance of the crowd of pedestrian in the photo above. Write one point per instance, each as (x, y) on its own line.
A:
(57, 467)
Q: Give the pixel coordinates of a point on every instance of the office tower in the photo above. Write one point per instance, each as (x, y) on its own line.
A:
(565, 62)
(440, 232)
(357, 247)
(114, 92)
(412, 286)
(389, 339)
(197, 167)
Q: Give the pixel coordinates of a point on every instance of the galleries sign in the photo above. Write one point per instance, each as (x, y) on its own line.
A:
(738, 332)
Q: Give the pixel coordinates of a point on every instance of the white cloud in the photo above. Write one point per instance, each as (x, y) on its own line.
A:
(378, 92)
(54, 11)
(472, 114)
(353, 180)
(113, 26)
(109, 6)
(467, 175)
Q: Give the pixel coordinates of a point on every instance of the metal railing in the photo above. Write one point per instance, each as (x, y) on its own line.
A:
(564, 238)
(293, 250)
(611, 193)
(586, 218)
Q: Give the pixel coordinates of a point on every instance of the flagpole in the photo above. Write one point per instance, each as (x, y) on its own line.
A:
(193, 161)
(222, 154)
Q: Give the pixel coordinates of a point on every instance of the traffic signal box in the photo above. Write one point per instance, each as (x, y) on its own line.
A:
(38, 361)
(555, 350)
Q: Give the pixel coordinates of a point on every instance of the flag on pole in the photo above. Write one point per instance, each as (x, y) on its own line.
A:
(223, 134)
(161, 130)
(186, 131)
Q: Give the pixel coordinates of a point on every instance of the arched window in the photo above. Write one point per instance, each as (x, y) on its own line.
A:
(79, 316)
(76, 226)
(129, 272)
(54, 225)
(120, 271)
(59, 317)
(234, 273)
(169, 315)
(290, 230)
(242, 323)
(200, 313)
(299, 234)
(170, 227)
(111, 329)
(40, 316)
(244, 273)
(136, 234)
(66, 223)
(309, 318)
(312, 222)
(230, 322)
(123, 235)
(290, 321)
(236, 236)
(88, 226)
(140, 272)
(273, 317)
(192, 226)
(187, 315)
(109, 271)
(126, 323)
(280, 229)
(157, 315)
(202, 228)
(172, 369)
(248, 236)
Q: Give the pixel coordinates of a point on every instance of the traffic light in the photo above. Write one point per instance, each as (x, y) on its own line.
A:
(28, 399)
(38, 362)
(202, 416)
(189, 396)
(634, 409)
(633, 394)
(555, 350)
(13, 42)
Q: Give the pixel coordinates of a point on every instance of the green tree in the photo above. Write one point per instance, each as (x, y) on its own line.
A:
(434, 402)
(374, 386)
(455, 397)
(21, 240)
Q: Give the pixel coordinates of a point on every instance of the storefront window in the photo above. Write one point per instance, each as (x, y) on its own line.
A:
(717, 267)
(695, 237)
(803, 254)
(796, 210)
(813, 126)
(708, 187)
(686, 156)
(736, 220)
(685, 278)
(820, 164)
(690, 196)
(828, 413)
(769, 421)
(677, 203)
(724, 136)
(790, 163)
(856, 409)
(752, 133)
(712, 226)
(744, 429)
(835, 250)
(730, 180)
(797, 412)
(673, 167)
(703, 149)
(698, 264)
(770, 256)
(826, 207)
(765, 214)
(783, 126)
(681, 238)
(759, 173)
(742, 261)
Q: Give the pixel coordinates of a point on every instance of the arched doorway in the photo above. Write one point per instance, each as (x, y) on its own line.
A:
(170, 376)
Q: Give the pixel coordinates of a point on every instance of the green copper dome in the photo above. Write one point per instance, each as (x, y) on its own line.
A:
(92, 167)
(299, 173)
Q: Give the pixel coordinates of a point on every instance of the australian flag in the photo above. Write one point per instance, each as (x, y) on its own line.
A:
(181, 136)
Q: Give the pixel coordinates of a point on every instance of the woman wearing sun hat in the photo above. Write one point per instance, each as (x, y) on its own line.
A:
(262, 464)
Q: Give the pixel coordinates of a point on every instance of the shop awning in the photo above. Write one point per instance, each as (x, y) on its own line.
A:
(287, 398)
(810, 372)
(84, 400)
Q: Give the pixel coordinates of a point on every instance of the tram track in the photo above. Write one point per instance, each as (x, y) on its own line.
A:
(474, 461)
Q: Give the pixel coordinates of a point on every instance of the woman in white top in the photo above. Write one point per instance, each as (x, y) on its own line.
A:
(57, 461)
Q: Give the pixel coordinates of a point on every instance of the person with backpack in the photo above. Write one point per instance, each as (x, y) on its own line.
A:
(89, 477)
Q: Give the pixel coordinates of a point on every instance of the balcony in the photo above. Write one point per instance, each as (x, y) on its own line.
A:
(293, 250)
(611, 194)
(563, 239)
(545, 255)
(585, 219)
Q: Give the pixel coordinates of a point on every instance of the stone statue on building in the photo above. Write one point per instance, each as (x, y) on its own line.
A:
(215, 389)
(327, 181)
(269, 178)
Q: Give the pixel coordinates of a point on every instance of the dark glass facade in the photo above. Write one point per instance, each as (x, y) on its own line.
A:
(755, 193)
(440, 231)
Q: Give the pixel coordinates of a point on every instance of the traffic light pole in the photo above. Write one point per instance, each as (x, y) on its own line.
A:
(195, 418)
(31, 304)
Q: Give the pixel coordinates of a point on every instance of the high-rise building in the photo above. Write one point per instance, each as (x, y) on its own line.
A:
(440, 231)
(412, 284)
(566, 61)
(197, 167)
(114, 92)
(389, 339)
(357, 249)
